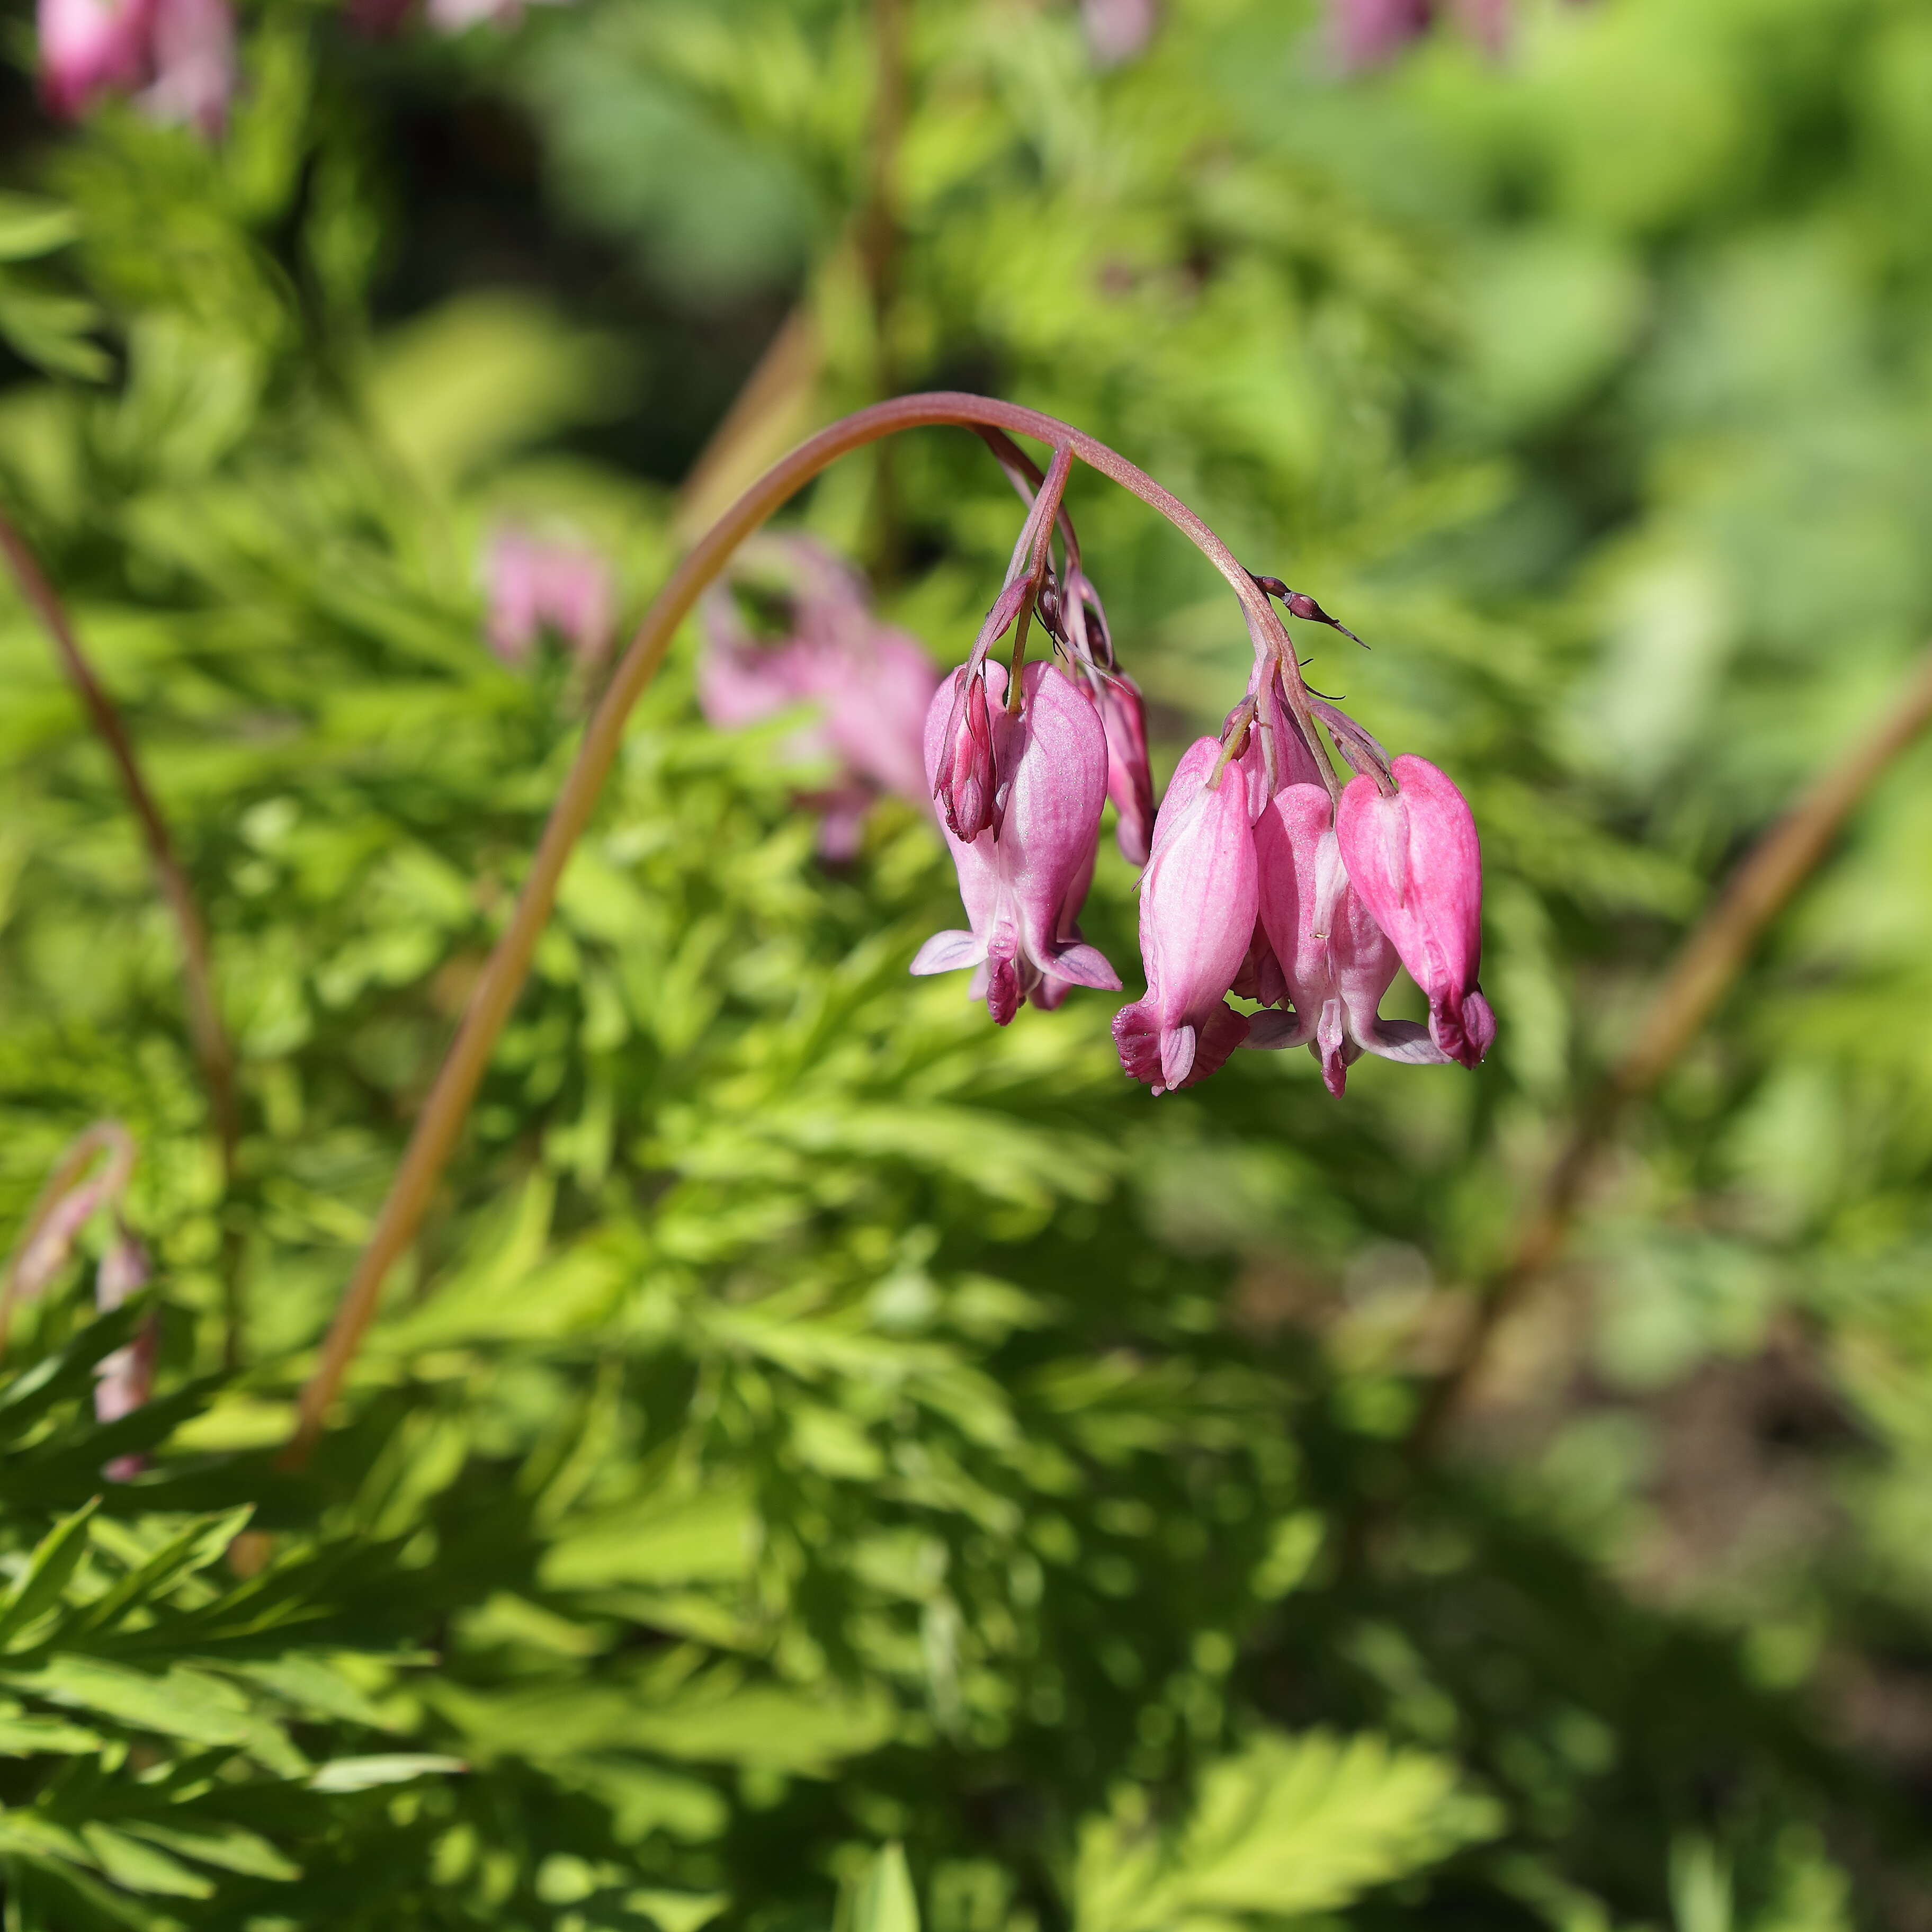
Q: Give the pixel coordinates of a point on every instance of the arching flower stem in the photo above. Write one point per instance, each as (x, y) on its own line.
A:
(440, 1123)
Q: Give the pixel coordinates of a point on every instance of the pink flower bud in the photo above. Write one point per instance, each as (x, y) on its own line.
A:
(1338, 961)
(1198, 897)
(534, 585)
(969, 777)
(1414, 858)
(89, 48)
(1024, 885)
(1129, 781)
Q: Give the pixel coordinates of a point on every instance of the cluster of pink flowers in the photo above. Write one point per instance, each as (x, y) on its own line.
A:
(864, 686)
(175, 57)
(1265, 877)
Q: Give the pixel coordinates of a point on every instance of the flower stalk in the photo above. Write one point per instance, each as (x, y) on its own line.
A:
(1277, 680)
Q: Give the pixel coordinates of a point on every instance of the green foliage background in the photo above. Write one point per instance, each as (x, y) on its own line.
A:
(829, 1464)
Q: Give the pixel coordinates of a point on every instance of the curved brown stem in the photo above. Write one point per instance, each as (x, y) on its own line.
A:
(441, 1121)
(213, 1052)
(1708, 962)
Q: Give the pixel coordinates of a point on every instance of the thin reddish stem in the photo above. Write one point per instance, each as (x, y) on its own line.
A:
(438, 1125)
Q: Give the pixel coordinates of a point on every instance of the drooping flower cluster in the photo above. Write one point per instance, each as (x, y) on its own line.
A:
(1270, 882)
(535, 585)
(176, 58)
(865, 685)
(1266, 877)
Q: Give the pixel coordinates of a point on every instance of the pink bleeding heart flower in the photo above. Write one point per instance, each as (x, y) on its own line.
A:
(1413, 856)
(534, 584)
(1337, 960)
(193, 47)
(89, 48)
(1024, 885)
(1273, 728)
(1198, 899)
(1129, 779)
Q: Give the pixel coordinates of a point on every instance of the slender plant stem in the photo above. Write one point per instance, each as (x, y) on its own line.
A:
(441, 1121)
(1707, 964)
(213, 1051)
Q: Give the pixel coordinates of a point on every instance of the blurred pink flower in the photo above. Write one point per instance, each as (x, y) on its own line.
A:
(193, 43)
(1198, 898)
(176, 57)
(1117, 30)
(535, 585)
(866, 686)
(124, 1380)
(72, 1197)
(1024, 884)
(1367, 32)
(89, 48)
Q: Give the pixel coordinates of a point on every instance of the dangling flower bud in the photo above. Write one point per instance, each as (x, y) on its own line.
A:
(966, 780)
(1198, 905)
(1338, 961)
(1024, 884)
(1414, 857)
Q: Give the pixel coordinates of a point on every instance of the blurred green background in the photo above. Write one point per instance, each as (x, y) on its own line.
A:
(829, 1466)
